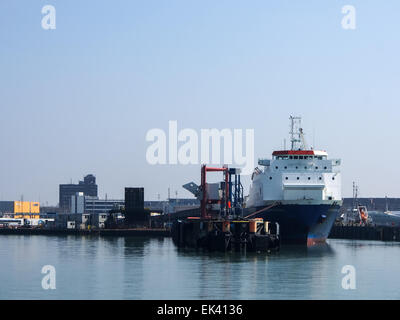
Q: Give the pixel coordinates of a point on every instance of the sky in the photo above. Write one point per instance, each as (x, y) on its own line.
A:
(80, 98)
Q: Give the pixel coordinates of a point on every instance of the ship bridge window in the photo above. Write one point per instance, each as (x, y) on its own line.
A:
(296, 157)
(290, 157)
(301, 157)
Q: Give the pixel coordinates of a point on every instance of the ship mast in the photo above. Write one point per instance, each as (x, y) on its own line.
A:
(355, 196)
(296, 134)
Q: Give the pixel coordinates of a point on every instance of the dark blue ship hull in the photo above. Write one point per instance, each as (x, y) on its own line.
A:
(302, 224)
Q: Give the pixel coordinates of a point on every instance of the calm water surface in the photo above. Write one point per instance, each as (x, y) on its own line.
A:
(137, 268)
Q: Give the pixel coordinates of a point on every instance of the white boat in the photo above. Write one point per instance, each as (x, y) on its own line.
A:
(299, 188)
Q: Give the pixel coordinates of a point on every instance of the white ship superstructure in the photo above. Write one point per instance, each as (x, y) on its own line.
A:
(296, 176)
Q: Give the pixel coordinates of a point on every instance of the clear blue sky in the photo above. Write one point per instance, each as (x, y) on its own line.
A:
(80, 99)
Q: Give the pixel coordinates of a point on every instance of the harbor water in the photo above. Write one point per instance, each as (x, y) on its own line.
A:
(89, 267)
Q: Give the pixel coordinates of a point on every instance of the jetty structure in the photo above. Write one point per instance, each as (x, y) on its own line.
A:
(221, 225)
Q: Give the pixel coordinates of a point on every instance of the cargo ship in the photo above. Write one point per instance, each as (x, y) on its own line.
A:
(299, 188)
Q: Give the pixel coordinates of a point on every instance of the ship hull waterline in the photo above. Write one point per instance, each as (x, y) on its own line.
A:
(301, 223)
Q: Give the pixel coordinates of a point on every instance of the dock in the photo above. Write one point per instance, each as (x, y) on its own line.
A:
(131, 232)
(255, 235)
(365, 232)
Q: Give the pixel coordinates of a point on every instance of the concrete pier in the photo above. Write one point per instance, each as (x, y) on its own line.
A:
(382, 233)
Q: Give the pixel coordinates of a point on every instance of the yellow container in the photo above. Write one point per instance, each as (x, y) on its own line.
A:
(26, 207)
(35, 207)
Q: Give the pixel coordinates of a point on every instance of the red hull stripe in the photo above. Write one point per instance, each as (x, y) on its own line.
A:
(314, 241)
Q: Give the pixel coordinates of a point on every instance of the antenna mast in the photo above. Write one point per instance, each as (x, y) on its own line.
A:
(355, 195)
(296, 133)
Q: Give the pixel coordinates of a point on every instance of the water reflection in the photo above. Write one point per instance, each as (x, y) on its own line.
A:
(322, 249)
(286, 251)
(141, 268)
(135, 245)
(249, 275)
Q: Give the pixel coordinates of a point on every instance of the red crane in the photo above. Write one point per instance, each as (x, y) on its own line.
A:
(225, 203)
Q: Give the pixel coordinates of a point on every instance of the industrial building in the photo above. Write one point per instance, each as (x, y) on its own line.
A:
(80, 221)
(20, 208)
(88, 187)
(6, 207)
(82, 209)
(96, 205)
(87, 204)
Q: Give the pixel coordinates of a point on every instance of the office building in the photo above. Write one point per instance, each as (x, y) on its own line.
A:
(88, 187)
